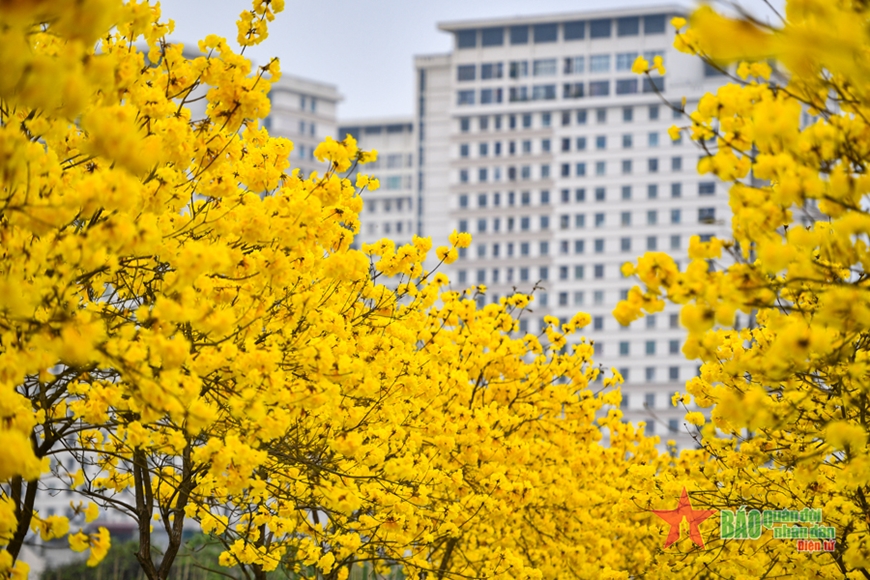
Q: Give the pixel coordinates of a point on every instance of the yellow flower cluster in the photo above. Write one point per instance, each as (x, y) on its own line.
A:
(186, 318)
(787, 383)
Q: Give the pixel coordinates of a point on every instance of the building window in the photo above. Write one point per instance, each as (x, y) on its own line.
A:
(526, 198)
(626, 166)
(598, 323)
(574, 30)
(545, 171)
(545, 67)
(564, 222)
(581, 117)
(673, 347)
(599, 246)
(625, 244)
(626, 86)
(624, 349)
(574, 65)
(524, 274)
(524, 249)
(580, 220)
(627, 114)
(492, 36)
(650, 347)
(580, 169)
(579, 271)
(545, 222)
(625, 218)
(676, 190)
(581, 143)
(654, 24)
(463, 176)
(519, 34)
(491, 70)
(653, 84)
(676, 163)
(565, 170)
(545, 197)
(466, 72)
(600, 28)
(653, 112)
(625, 60)
(543, 92)
(600, 194)
(601, 115)
(675, 242)
(482, 174)
(488, 96)
(543, 274)
(599, 271)
(599, 63)
(653, 165)
(652, 191)
(580, 195)
(566, 144)
(652, 217)
(599, 220)
(463, 150)
(600, 142)
(600, 167)
(675, 216)
(566, 118)
(525, 223)
(544, 248)
(706, 188)
(674, 373)
(465, 97)
(626, 192)
(578, 298)
(527, 121)
(579, 246)
(599, 88)
(464, 124)
(466, 39)
(518, 69)
(626, 141)
(651, 243)
(628, 26)
(545, 33)
(563, 296)
(706, 215)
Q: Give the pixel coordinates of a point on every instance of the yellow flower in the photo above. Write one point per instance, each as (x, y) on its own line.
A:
(678, 22)
(696, 418)
(674, 132)
(640, 66)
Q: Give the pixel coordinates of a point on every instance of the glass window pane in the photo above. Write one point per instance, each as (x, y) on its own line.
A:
(466, 38)
(600, 28)
(492, 36)
(519, 34)
(546, 33)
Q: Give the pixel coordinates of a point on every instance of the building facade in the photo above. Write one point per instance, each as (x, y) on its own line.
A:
(304, 111)
(534, 135)
(391, 211)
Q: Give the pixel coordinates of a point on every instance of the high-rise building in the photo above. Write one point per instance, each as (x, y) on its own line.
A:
(304, 111)
(534, 135)
(391, 211)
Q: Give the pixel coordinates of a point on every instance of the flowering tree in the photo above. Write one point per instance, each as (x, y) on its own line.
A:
(184, 316)
(789, 391)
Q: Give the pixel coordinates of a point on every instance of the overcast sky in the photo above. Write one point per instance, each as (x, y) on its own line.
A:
(365, 47)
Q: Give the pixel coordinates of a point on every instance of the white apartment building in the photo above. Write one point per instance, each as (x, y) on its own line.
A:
(391, 211)
(534, 135)
(303, 111)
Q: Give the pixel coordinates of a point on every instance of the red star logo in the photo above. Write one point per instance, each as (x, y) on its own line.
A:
(675, 518)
